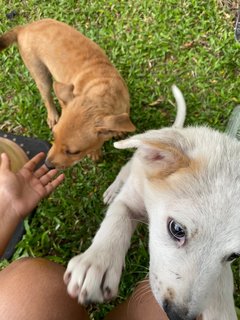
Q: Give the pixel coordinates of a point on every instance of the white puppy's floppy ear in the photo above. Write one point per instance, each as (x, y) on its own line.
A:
(162, 152)
(160, 159)
(127, 143)
(169, 136)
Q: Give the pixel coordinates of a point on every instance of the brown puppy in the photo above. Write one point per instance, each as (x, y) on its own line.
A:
(91, 92)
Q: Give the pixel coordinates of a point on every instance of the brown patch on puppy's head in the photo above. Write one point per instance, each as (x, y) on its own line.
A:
(161, 152)
(161, 159)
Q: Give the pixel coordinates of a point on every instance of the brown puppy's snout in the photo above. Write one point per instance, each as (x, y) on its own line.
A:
(49, 164)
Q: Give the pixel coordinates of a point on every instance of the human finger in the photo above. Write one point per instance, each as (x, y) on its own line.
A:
(47, 177)
(41, 171)
(5, 162)
(52, 185)
(32, 163)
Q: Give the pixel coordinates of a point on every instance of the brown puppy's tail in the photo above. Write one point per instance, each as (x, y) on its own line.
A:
(9, 38)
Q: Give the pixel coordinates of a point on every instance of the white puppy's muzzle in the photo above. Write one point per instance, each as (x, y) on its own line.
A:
(176, 313)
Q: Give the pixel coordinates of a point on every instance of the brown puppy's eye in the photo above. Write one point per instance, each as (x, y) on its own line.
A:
(72, 153)
(233, 256)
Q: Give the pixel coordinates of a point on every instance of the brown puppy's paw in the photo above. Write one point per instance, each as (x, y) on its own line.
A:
(52, 119)
(95, 155)
(121, 134)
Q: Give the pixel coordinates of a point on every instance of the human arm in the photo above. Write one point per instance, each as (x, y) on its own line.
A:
(20, 193)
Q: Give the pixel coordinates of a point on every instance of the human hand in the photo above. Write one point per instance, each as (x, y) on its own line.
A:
(23, 190)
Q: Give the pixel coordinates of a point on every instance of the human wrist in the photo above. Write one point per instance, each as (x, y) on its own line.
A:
(10, 204)
(8, 223)
(8, 213)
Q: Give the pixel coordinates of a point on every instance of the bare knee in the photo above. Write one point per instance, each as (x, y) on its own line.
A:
(34, 289)
(26, 271)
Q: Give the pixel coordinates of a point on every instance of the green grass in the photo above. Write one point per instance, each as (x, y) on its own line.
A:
(153, 43)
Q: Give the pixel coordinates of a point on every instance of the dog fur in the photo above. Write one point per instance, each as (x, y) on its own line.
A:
(92, 94)
(189, 176)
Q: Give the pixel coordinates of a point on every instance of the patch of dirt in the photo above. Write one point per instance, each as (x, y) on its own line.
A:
(229, 4)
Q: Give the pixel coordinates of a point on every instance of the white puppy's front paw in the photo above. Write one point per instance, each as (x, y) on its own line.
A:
(93, 276)
(112, 191)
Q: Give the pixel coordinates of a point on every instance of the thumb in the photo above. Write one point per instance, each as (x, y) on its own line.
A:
(5, 162)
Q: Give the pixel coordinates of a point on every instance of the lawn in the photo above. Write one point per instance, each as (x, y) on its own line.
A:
(153, 43)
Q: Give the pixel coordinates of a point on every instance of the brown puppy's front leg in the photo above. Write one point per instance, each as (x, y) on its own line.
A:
(52, 114)
(43, 80)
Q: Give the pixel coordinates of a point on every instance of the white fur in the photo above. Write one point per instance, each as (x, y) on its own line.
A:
(181, 107)
(203, 195)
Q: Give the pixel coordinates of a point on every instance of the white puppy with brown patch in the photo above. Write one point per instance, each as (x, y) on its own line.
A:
(186, 182)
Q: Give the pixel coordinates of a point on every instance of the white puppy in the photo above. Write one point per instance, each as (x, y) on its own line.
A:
(186, 182)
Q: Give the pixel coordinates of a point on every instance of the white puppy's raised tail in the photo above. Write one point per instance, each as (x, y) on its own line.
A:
(181, 107)
(136, 140)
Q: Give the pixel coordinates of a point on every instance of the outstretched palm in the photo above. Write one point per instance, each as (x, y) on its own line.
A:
(24, 189)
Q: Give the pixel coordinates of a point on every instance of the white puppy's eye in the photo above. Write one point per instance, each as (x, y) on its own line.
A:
(177, 231)
(233, 256)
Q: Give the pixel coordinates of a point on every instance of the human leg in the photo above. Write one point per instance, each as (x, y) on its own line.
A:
(34, 289)
(141, 305)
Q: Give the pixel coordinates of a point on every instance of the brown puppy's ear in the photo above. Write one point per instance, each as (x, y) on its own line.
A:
(64, 92)
(116, 123)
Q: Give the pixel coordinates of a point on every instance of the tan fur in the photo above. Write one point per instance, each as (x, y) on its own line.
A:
(157, 173)
(91, 92)
(8, 38)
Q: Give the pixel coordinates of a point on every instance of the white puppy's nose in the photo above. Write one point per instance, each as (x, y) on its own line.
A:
(176, 313)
